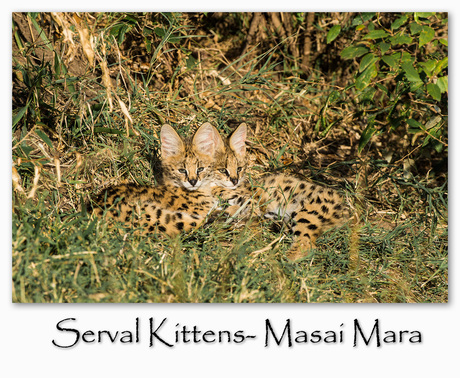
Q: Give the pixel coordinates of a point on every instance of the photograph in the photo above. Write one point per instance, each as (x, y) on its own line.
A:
(230, 157)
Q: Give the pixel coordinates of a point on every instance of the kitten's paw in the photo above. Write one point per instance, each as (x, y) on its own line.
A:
(299, 251)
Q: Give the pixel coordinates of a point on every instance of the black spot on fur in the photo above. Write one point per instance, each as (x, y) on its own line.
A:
(312, 227)
(303, 220)
(180, 226)
(184, 206)
(162, 228)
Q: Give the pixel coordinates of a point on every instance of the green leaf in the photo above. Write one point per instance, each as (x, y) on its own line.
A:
(40, 31)
(333, 33)
(443, 41)
(428, 66)
(426, 35)
(401, 39)
(367, 60)
(440, 66)
(438, 147)
(415, 28)
(384, 47)
(418, 15)
(392, 60)
(45, 138)
(160, 32)
(383, 88)
(362, 18)
(411, 73)
(414, 87)
(353, 52)
(434, 91)
(442, 83)
(20, 114)
(406, 57)
(367, 134)
(367, 94)
(415, 127)
(398, 22)
(363, 80)
(376, 34)
(191, 62)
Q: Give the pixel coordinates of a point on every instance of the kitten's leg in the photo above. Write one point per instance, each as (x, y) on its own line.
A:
(319, 213)
(239, 200)
(306, 230)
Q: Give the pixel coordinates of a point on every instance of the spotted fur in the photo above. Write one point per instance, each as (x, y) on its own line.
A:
(182, 202)
(308, 208)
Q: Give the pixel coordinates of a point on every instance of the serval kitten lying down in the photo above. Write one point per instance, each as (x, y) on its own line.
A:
(205, 171)
(308, 208)
(183, 201)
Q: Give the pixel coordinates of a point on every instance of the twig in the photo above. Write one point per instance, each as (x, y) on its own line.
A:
(268, 247)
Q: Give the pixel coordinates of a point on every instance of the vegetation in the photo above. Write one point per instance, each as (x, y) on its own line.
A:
(357, 101)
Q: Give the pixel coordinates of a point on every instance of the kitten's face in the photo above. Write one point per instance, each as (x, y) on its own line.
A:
(188, 164)
(230, 160)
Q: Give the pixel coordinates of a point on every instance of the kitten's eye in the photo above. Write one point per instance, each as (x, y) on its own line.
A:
(239, 169)
(199, 170)
(184, 171)
(223, 170)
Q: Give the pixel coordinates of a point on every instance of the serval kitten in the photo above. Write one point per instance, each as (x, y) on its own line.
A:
(310, 209)
(183, 200)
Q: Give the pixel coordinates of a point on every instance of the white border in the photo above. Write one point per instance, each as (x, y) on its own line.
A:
(29, 329)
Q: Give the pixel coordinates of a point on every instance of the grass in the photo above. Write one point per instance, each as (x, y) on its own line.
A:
(75, 131)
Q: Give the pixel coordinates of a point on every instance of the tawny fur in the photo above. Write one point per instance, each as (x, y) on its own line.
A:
(205, 171)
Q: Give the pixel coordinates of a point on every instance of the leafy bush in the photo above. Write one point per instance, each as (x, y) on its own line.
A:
(402, 74)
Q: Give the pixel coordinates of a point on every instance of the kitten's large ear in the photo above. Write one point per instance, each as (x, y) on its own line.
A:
(238, 139)
(171, 142)
(207, 140)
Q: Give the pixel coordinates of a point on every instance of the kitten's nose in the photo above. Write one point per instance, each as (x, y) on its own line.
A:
(192, 182)
(234, 181)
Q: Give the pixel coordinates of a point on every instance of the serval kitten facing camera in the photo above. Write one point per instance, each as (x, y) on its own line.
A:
(310, 209)
(183, 201)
